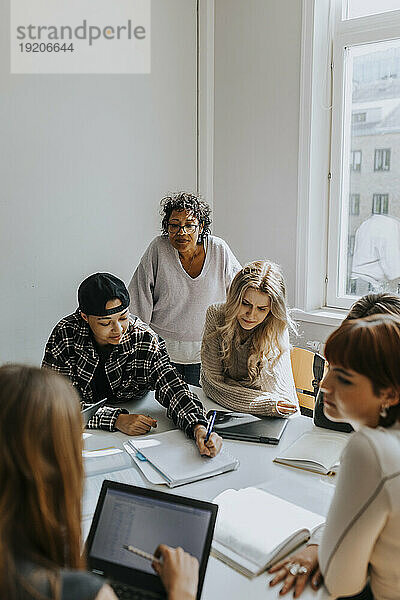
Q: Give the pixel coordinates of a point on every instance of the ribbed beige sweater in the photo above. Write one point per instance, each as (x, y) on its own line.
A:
(274, 383)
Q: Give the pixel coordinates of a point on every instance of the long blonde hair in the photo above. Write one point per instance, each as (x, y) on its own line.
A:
(41, 475)
(267, 337)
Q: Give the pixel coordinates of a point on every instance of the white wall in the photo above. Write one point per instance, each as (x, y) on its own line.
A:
(256, 147)
(84, 162)
(85, 159)
(257, 71)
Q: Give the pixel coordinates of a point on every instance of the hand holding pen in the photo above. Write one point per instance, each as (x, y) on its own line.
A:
(208, 442)
(210, 426)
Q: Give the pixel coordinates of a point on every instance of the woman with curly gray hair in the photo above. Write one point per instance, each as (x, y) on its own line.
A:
(182, 272)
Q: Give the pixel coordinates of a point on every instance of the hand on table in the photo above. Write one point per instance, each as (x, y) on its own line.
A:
(179, 572)
(285, 407)
(134, 424)
(296, 570)
(210, 448)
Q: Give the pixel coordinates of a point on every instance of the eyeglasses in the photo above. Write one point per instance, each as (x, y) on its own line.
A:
(187, 228)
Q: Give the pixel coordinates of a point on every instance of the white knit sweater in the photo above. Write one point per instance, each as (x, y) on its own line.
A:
(361, 536)
(174, 304)
(274, 383)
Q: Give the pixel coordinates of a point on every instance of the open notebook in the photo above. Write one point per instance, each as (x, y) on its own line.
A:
(176, 458)
(315, 451)
(256, 529)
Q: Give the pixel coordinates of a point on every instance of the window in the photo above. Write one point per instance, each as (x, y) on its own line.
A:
(359, 117)
(352, 239)
(349, 108)
(361, 8)
(354, 204)
(382, 159)
(365, 115)
(355, 162)
(380, 204)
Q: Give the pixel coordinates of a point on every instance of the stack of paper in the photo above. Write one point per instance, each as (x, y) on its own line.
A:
(171, 458)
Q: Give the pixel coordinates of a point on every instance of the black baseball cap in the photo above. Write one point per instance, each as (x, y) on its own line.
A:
(95, 291)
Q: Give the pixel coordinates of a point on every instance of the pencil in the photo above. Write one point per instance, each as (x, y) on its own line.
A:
(141, 553)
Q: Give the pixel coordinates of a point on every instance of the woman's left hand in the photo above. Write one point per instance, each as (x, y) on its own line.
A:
(296, 570)
(286, 408)
(212, 446)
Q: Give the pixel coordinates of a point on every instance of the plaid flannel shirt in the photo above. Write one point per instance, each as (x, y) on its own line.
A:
(138, 364)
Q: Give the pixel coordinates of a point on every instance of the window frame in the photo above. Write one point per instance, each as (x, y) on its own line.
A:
(354, 165)
(386, 152)
(318, 173)
(357, 31)
(354, 203)
(383, 200)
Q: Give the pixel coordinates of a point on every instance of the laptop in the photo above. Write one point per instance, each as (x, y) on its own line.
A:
(144, 518)
(90, 410)
(248, 428)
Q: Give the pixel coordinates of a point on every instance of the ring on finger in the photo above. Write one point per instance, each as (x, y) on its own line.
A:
(302, 570)
(293, 568)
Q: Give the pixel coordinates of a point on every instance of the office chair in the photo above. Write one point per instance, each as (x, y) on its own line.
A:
(308, 370)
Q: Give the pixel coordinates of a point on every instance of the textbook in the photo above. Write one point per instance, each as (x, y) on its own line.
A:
(255, 529)
(176, 458)
(315, 451)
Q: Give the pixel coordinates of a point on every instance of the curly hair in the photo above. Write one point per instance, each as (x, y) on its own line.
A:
(192, 203)
(267, 338)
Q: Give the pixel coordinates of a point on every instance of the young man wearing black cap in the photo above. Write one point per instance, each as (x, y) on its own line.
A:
(108, 353)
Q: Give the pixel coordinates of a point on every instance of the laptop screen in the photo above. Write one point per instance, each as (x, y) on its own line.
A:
(145, 518)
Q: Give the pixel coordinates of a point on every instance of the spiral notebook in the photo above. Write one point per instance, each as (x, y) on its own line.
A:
(177, 460)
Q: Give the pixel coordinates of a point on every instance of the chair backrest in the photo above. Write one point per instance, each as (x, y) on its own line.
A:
(308, 370)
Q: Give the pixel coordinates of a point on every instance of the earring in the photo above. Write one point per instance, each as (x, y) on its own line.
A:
(383, 412)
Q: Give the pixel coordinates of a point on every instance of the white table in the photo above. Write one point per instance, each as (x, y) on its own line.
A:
(256, 468)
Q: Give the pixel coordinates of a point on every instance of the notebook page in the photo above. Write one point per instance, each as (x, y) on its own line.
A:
(254, 523)
(321, 448)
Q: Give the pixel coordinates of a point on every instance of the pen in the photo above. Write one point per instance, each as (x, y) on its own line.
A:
(141, 553)
(210, 426)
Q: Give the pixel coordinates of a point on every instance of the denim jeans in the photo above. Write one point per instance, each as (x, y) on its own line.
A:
(189, 373)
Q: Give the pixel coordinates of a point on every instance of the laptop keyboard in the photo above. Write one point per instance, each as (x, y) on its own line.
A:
(127, 592)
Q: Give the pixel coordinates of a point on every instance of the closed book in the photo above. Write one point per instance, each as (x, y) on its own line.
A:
(178, 460)
(256, 529)
(315, 451)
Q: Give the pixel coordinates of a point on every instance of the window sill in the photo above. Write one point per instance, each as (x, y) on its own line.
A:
(323, 316)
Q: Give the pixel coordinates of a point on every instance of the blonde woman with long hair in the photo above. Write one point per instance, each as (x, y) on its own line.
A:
(41, 479)
(245, 352)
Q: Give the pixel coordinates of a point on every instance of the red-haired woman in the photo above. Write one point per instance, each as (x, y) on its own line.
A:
(359, 546)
